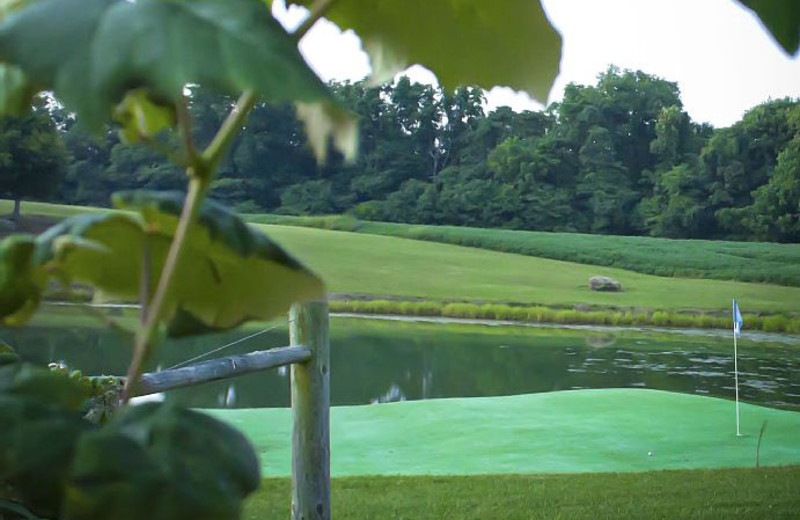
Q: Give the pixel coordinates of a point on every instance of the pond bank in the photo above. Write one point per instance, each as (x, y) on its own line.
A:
(753, 336)
(575, 316)
(536, 314)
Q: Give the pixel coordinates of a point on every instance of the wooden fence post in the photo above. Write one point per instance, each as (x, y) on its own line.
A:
(311, 474)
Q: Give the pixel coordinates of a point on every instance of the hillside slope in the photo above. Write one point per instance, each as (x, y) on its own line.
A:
(355, 263)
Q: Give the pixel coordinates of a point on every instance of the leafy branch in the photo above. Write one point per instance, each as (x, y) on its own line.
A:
(201, 171)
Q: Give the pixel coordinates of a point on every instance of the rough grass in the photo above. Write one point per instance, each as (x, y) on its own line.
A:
(752, 494)
(720, 260)
(540, 314)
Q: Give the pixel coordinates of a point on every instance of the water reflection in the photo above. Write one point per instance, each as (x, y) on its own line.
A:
(393, 395)
(376, 362)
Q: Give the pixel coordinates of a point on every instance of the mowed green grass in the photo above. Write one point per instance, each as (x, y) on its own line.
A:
(751, 494)
(577, 431)
(717, 259)
(390, 266)
(379, 265)
(46, 209)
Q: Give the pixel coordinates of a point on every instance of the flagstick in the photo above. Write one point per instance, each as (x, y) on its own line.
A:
(736, 376)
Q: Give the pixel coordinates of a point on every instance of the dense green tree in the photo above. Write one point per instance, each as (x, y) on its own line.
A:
(605, 190)
(85, 182)
(775, 212)
(462, 110)
(534, 194)
(679, 207)
(131, 166)
(620, 156)
(740, 159)
(271, 154)
(677, 203)
(33, 158)
(415, 202)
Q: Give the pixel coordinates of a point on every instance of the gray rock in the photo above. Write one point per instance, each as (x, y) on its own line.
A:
(604, 283)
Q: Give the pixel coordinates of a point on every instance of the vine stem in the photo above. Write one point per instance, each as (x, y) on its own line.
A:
(144, 339)
(213, 153)
(318, 10)
(201, 172)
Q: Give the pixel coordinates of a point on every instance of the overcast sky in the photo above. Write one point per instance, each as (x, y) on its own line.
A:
(720, 56)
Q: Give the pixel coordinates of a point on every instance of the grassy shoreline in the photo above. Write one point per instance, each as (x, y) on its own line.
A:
(540, 314)
(544, 314)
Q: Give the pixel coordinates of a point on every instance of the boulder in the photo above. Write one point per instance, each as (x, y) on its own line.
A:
(604, 283)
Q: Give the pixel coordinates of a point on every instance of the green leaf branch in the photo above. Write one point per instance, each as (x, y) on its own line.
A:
(201, 170)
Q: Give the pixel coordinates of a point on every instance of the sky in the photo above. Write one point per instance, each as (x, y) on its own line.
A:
(717, 51)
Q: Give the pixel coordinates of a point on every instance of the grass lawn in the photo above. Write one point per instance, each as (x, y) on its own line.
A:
(46, 209)
(718, 259)
(390, 266)
(615, 430)
(766, 493)
(378, 265)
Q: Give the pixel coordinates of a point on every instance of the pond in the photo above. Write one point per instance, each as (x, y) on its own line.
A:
(380, 361)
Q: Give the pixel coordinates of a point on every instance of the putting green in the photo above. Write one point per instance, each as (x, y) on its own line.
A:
(560, 432)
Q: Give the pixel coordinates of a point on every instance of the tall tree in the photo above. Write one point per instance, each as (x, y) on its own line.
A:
(33, 158)
(740, 159)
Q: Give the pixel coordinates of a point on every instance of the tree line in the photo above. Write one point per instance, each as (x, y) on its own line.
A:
(618, 157)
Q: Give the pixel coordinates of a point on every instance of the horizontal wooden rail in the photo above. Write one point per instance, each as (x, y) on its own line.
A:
(221, 368)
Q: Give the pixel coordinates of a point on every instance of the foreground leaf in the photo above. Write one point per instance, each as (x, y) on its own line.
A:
(40, 428)
(22, 283)
(141, 117)
(782, 20)
(27, 381)
(17, 509)
(230, 272)
(160, 462)
(464, 42)
(16, 92)
(323, 121)
(103, 250)
(8, 355)
(91, 53)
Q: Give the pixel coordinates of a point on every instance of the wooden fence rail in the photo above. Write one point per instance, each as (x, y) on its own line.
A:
(221, 368)
(309, 357)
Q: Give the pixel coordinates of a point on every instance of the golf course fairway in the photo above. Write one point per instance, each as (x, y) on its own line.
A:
(612, 430)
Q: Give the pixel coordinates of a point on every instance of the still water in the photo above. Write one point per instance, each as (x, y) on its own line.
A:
(380, 361)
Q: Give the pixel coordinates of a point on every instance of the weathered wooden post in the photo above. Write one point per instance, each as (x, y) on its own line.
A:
(311, 474)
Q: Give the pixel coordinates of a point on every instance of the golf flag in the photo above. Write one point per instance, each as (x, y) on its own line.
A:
(737, 330)
(737, 319)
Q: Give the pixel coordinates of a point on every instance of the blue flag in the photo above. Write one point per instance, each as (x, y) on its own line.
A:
(737, 319)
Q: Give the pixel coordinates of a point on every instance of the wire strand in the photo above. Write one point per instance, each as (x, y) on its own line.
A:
(223, 347)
